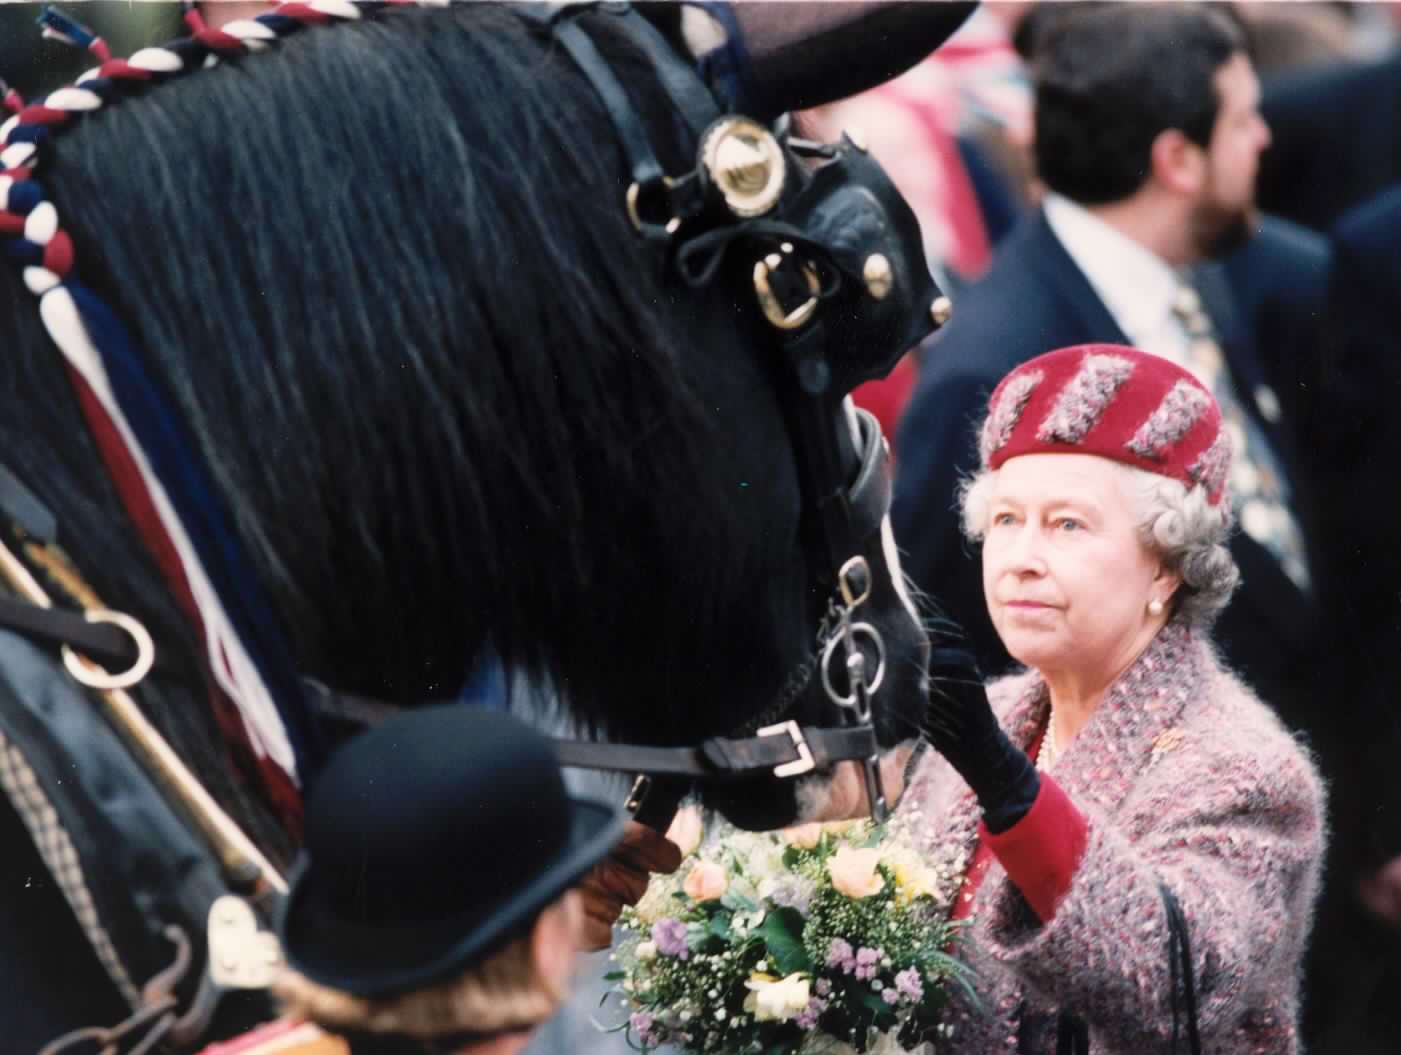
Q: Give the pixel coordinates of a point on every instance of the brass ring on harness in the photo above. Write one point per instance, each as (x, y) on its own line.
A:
(92, 675)
(634, 191)
(854, 582)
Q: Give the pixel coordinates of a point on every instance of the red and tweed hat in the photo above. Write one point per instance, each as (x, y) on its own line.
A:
(1114, 402)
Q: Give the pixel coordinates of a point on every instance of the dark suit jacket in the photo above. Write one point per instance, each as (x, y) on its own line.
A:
(1354, 455)
(1034, 299)
(1337, 139)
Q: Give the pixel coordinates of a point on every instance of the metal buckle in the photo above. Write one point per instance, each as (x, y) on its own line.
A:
(640, 787)
(768, 300)
(88, 673)
(804, 762)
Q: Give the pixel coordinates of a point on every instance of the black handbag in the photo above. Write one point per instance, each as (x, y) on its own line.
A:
(1073, 1035)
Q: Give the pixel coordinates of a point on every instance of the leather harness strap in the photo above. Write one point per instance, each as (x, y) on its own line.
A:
(104, 642)
(784, 746)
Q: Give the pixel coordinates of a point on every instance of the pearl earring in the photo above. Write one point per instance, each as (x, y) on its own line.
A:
(1155, 607)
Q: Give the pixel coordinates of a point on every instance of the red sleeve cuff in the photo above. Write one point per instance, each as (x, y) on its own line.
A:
(1043, 849)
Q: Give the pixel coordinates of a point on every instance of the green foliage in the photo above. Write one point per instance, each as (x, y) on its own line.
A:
(782, 931)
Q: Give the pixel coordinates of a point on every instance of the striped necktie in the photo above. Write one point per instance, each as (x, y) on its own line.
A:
(1259, 486)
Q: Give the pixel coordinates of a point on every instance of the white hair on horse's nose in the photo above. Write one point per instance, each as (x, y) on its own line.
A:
(897, 574)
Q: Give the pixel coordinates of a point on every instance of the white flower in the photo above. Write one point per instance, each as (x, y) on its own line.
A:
(646, 951)
(776, 1000)
(720, 1015)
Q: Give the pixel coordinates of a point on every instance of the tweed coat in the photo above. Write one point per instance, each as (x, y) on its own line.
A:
(1184, 777)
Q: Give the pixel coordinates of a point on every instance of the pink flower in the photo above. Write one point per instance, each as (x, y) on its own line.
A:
(867, 963)
(641, 1023)
(670, 938)
(839, 954)
(686, 830)
(706, 881)
(909, 984)
(807, 1018)
(854, 872)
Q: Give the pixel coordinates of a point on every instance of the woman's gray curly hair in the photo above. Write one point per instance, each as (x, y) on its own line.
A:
(1175, 522)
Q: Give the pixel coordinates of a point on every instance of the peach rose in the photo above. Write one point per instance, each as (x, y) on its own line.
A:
(686, 830)
(706, 881)
(803, 836)
(854, 872)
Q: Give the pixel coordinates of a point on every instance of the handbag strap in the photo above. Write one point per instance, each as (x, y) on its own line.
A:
(1073, 1034)
(1180, 969)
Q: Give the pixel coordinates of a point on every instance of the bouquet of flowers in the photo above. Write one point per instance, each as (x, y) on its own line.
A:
(818, 939)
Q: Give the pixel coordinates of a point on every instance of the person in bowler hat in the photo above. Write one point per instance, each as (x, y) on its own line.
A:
(435, 906)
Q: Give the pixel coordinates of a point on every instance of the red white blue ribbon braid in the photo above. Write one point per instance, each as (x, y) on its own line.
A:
(246, 651)
(9, 98)
(59, 26)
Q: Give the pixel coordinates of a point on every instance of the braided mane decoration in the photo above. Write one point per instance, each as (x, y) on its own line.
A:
(163, 484)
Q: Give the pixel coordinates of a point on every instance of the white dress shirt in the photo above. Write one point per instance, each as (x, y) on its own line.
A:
(1135, 284)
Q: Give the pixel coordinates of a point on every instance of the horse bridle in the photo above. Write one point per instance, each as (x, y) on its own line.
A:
(839, 275)
(751, 188)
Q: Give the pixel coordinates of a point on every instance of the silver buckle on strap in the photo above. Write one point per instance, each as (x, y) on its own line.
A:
(803, 763)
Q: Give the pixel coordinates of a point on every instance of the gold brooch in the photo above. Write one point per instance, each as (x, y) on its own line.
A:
(1168, 740)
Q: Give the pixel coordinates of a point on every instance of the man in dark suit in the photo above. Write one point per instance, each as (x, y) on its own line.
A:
(1151, 165)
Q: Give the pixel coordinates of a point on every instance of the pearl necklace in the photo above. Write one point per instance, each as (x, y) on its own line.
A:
(1050, 750)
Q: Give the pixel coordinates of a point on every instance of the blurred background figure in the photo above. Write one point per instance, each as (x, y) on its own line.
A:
(1358, 505)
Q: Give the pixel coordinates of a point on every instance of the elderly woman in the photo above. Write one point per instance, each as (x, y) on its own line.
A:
(1124, 810)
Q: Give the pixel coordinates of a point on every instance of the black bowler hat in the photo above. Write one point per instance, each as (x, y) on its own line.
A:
(431, 841)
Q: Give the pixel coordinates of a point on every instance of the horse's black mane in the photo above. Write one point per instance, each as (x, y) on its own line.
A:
(385, 271)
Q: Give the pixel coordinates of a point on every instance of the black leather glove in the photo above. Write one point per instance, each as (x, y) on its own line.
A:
(964, 730)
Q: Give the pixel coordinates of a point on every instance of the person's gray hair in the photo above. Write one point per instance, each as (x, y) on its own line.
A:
(1177, 523)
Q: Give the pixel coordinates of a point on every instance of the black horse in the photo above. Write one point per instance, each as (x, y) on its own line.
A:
(459, 415)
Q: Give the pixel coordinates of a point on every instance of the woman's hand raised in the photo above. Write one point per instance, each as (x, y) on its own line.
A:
(963, 728)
